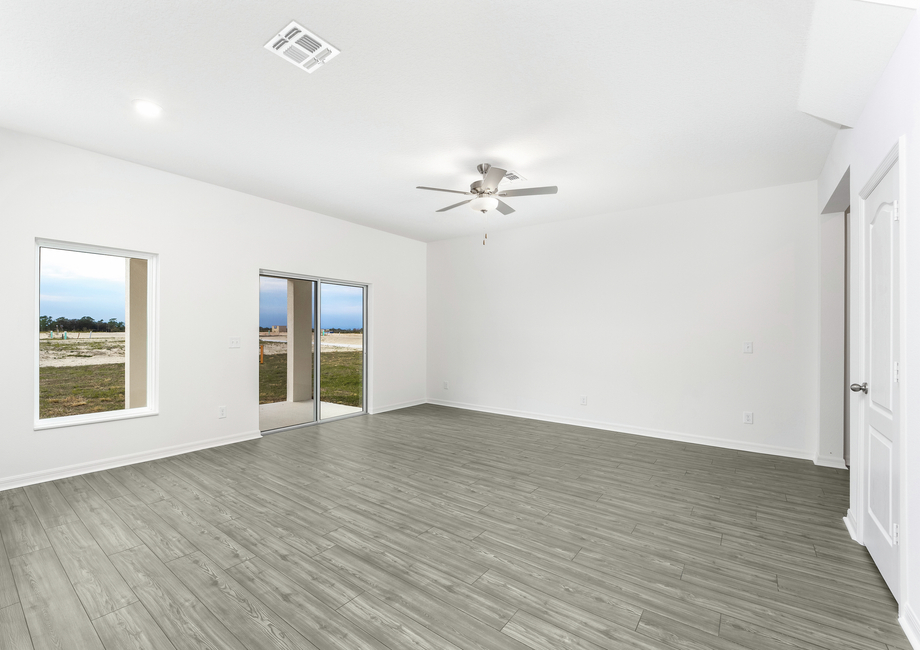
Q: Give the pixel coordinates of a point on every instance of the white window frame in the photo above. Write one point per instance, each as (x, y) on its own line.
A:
(152, 406)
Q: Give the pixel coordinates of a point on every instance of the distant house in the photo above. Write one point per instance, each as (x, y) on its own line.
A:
(279, 329)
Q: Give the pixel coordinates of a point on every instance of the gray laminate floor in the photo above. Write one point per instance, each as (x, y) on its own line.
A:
(437, 528)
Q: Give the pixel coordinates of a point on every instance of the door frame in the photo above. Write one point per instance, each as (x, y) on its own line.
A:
(857, 514)
(365, 359)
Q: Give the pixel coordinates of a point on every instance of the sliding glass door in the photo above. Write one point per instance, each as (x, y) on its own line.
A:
(341, 364)
(287, 368)
(297, 386)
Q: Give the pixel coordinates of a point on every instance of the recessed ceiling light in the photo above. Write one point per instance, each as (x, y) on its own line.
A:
(147, 108)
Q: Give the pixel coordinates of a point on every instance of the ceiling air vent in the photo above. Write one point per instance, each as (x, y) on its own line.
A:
(512, 177)
(300, 47)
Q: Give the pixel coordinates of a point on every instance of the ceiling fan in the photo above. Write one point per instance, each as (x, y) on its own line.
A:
(486, 191)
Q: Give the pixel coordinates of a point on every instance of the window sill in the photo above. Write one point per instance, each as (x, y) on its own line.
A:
(93, 418)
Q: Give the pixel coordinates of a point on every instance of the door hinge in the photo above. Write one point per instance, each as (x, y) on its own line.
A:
(896, 210)
(897, 372)
(896, 537)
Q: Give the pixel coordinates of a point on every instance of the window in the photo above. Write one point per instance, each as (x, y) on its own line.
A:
(95, 339)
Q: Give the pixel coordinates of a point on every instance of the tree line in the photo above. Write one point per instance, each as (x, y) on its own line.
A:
(85, 324)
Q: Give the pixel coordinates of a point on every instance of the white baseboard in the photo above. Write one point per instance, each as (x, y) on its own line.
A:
(394, 407)
(910, 623)
(677, 436)
(120, 461)
(850, 523)
(830, 461)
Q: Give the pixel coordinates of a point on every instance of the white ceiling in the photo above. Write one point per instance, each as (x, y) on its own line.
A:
(620, 103)
(849, 45)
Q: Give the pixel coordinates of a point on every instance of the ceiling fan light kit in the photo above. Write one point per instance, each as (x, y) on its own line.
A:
(486, 190)
(484, 204)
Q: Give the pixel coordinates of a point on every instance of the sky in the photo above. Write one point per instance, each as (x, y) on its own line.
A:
(74, 285)
(342, 307)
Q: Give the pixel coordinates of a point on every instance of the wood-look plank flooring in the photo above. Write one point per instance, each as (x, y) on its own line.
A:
(440, 529)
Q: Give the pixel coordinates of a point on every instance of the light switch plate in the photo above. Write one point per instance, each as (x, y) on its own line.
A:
(747, 347)
(748, 417)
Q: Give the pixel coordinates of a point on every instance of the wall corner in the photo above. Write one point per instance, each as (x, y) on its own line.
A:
(910, 623)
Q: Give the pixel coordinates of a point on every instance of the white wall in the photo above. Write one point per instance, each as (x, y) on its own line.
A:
(645, 313)
(893, 111)
(212, 243)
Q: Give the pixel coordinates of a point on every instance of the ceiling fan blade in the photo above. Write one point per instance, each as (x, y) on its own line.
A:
(503, 207)
(455, 205)
(438, 189)
(492, 178)
(528, 191)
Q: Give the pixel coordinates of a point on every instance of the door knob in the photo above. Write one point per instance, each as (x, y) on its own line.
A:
(864, 387)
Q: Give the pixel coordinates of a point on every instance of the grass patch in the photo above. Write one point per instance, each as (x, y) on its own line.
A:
(73, 390)
(273, 379)
(341, 380)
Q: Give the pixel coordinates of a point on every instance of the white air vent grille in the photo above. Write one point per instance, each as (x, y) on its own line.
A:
(298, 46)
(512, 177)
(308, 43)
(295, 54)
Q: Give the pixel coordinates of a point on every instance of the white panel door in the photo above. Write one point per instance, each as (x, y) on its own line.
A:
(881, 413)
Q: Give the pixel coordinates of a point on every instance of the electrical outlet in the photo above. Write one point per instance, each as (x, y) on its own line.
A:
(747, 347)
(221, 411)
(748, 417)
(583, 400)
(446, 386)
(234, 341)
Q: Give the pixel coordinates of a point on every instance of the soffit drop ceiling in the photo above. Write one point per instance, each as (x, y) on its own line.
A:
(619, 103)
